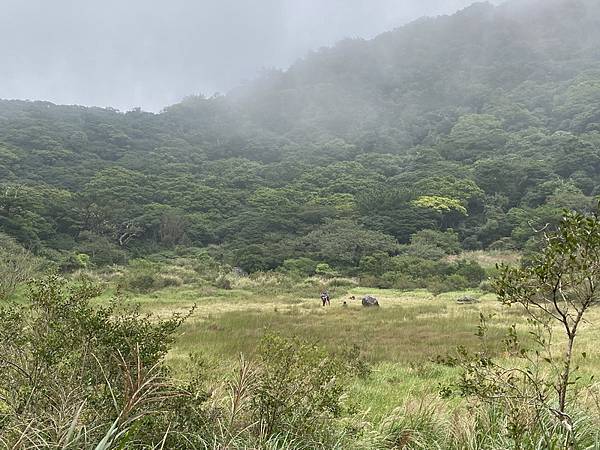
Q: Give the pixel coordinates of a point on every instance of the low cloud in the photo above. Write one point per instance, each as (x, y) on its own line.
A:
(151, 53)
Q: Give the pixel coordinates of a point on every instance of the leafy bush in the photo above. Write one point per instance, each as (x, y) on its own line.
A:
(373, 281)
(223, 281)
(486, 286)
(17, 265)
(144, 276)
(400, 281)
(411, 272)
(503, 244)
(454, 282)
(325, 269)
(342, 282)
(419, 268)
(102, 251)
(74, 375)
(471, 271)
(163, 281)
(298, 390)
(140, 280)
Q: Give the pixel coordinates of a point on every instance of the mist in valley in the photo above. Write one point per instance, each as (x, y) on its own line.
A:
(152, 53)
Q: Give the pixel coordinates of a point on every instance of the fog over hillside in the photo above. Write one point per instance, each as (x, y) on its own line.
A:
(152, 53)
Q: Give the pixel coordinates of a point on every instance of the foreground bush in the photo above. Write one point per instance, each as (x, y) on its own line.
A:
(76, 376)
(298, 389)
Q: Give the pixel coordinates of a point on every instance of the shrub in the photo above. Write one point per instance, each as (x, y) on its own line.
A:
(17, 265)
(143, 276)
(325, 269)
(471, 243)
(446, 241)
(163, 281)
(471, 271)
(505, 243)
(454, 282)
(223, 281)
(205, 265)
(298, 390)
(102, 251)
(420, 268)
(457, 282)
(342, 282)
(375, 264)
(371, 281)
(70, 262)
(74, 375)
(486, 286)
(399, 281)
(141, 281)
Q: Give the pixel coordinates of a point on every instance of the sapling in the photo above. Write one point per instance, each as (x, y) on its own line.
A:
(558, 288)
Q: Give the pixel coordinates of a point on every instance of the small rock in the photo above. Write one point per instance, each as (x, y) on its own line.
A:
(370, 301)
(466, 300)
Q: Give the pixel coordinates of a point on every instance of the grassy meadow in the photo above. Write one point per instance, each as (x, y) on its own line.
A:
(402, 340)
(397, 360)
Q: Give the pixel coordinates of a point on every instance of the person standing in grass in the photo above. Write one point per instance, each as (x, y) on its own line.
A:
(325, 298)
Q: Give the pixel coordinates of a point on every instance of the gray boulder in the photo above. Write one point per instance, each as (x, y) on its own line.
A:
(370, 301)
(467, 300)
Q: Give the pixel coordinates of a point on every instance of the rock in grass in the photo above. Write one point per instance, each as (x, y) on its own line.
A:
(370, 301)
(466, 300)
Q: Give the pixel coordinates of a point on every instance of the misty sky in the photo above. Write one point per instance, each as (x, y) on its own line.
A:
(152, 53)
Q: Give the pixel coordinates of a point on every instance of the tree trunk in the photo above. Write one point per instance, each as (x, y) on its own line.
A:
(564, 376)
(563, 385)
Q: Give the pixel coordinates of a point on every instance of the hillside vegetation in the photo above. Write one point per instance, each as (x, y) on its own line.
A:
(484, 124)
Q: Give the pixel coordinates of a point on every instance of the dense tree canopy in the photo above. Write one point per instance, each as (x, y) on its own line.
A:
(485, 123)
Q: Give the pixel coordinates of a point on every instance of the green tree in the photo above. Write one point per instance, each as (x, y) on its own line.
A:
(474, 135)
(556, 289)
(344, 243)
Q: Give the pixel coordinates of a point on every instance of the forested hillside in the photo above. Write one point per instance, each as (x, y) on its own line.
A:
(482, 126)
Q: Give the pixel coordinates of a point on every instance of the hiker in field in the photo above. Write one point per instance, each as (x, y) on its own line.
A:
(325, 298)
